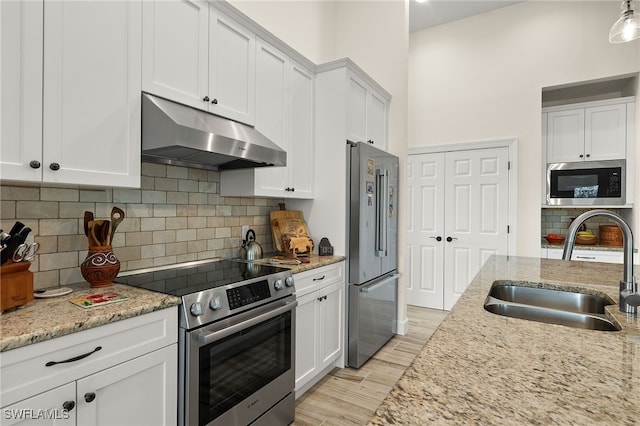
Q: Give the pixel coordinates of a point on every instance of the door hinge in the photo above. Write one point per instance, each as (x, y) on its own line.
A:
(508, 229)
(508, 165)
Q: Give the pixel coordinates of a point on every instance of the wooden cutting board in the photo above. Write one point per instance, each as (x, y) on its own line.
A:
(287, 222)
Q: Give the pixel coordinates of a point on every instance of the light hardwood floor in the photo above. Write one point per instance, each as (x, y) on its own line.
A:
(349, 396)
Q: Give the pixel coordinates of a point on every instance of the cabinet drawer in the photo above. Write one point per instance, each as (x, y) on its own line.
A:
(315, 279)
(24, 371)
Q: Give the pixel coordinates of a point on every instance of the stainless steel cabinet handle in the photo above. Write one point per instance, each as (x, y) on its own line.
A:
(75, 358)
(380, 284)
(586, 257)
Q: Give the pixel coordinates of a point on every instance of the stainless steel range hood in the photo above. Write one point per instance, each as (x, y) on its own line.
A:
(180, 135)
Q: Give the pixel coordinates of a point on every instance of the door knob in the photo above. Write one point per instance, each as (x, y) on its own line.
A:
(438, 238)
(449, 239)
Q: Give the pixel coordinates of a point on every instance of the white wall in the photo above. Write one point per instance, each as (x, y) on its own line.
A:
(481, 78)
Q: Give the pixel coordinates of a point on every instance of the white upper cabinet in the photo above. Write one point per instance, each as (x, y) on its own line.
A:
(592, 131)
(366, 113)
(74, 116)
(284, 114)
(21, 89)
(195, 55)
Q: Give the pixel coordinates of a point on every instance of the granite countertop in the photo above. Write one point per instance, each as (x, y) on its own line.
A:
(482, 368)
(315, 261)
(44, 319)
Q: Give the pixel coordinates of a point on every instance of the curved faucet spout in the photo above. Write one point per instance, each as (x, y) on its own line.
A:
(629, 297)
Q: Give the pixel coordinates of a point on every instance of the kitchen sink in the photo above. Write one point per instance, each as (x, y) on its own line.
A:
(553, 306)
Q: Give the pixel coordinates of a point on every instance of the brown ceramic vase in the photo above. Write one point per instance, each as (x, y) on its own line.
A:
(100, 267)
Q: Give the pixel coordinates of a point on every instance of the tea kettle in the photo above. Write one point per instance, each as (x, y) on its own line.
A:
(253, 250)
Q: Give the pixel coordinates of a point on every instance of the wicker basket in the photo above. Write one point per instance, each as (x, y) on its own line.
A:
(610, 235)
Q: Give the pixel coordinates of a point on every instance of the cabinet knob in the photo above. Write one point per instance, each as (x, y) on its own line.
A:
(588, 155)
(205, 99)
(214, 101)
(89, 396)
(34, 164)
(370, 141)
(54, 166)
(581, 156)
(68, 405)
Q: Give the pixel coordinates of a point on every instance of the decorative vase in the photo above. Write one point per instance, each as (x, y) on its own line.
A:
(100, 267)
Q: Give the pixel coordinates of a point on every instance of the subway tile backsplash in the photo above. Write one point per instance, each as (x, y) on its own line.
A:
(557, 221)
(177, 215)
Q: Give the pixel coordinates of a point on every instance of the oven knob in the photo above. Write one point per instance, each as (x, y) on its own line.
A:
(288, 281)
(196, 309)
(278, 285)
(215, 303)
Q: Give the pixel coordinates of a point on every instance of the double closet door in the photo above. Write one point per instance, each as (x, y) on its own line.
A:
(458, 217)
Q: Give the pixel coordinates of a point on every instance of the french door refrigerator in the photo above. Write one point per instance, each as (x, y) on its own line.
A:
(372, 260)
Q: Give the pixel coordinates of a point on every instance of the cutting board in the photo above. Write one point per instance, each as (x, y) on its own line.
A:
(287, 222)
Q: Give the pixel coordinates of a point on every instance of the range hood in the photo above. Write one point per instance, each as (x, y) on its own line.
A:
(179, 135)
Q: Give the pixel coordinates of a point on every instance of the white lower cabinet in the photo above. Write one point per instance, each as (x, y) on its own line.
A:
(124, 373)
(319, 324)
(588, 255)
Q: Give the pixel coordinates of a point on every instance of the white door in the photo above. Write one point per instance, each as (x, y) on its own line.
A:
(55, 407)
(300, 149)
(426, 229)
(477, 215)
(459, 210)
(565, 136)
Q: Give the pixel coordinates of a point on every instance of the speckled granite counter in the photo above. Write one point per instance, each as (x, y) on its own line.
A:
(315, 262)
(599, 247)
(485, 369)
(45, 319)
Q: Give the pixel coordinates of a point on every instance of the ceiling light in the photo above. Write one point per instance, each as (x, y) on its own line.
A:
(627, 27)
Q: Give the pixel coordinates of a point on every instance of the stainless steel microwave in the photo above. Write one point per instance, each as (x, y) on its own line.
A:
(586, 183)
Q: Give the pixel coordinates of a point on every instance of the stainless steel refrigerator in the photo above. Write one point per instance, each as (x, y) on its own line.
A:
(372, 260)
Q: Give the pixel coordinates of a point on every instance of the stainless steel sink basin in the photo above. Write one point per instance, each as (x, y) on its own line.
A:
(551, 306)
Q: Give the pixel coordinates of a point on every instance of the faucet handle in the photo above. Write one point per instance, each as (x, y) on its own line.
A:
(632, 299)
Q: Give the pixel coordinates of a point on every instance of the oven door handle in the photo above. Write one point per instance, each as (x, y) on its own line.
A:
(208, 338)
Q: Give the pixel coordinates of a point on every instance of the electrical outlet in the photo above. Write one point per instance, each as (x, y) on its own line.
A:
(245, 228)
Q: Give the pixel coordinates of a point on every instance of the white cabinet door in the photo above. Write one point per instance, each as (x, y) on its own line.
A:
(284, 114)
(330, 308)
(21, 90)
(377, 120)
(356, 109)
(455, 227)
(232, 69)
(92, 82)
(271, 119)
(301, 145)
(565, 136)
(139, 392)
(306, 341)
(175, 50)
(56, 407)
(606, 132)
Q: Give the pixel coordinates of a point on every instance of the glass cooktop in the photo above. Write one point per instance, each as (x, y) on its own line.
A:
(192, 277)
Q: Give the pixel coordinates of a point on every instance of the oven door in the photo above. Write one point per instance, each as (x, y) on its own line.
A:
(594, 183)
(239, 368)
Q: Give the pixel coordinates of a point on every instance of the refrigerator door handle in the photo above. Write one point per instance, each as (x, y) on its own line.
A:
(382, 202)
(376, 286)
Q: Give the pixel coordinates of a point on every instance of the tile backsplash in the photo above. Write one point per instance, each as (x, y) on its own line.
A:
(177, 215)
(557, 221)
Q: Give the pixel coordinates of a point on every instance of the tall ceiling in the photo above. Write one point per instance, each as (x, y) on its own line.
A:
(437, 12)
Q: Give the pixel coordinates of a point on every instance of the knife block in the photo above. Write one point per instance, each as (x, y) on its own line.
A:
(16, 284)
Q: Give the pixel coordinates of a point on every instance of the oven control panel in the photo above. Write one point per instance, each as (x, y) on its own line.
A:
(220, 302)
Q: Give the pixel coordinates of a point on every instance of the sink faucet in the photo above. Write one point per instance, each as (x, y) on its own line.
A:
(629, 297)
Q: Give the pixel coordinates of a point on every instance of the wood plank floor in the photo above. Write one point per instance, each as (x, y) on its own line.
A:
(349, 396)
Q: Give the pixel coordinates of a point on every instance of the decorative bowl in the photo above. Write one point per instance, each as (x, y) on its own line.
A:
(554, 239)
